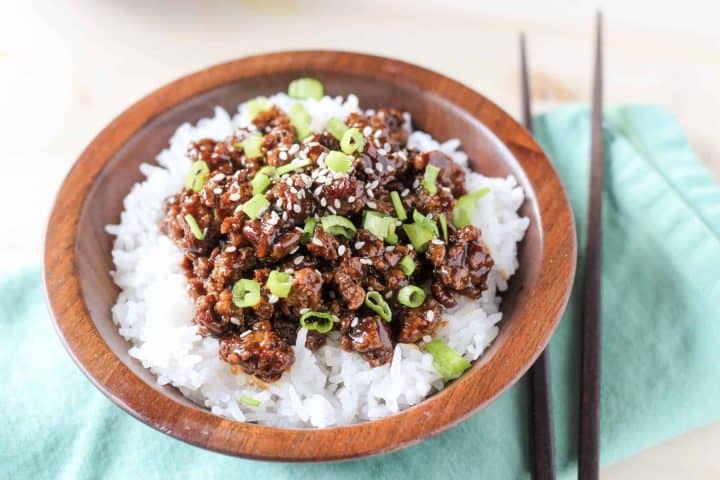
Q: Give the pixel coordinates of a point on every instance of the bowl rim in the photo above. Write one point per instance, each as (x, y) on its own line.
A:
(200, 427)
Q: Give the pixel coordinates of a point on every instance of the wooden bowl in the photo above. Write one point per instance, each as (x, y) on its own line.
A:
(77, 248)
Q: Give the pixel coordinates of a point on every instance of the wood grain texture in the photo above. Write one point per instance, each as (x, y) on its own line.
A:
(77, 249)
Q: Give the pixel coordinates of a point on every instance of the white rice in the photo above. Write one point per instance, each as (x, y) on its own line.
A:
(331, 386)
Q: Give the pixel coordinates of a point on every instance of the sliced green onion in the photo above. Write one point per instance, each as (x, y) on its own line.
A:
(465, 207)
(411, 296)
(306, 88)
(449, 363)
(338, 226)
(249, 401)
(320, 321)
(443, 226)
(397, 203)
(380, 225)
(338, 162)
(260, 183)
(430, 179)
(336, 127)
(418, 236)
(296, 164)
(246, 293)
(308, 230)
(255, 206)
(279, 283)
(257, 105)
(375, 302)
(252, 146)
(197, 176)
(301, 120)
(426, 223)
(194, 227)
(407, 265)
(352, 141)
(391, 238)
(269, 171)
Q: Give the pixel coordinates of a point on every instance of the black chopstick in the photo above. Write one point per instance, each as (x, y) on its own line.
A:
(542, 448)
(589, 432)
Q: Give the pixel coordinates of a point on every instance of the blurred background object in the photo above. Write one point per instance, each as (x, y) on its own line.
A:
(72, 66)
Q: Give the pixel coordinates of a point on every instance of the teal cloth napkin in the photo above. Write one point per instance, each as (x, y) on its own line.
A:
(661, 331)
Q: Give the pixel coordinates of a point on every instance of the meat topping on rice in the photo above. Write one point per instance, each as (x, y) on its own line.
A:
(329, 232)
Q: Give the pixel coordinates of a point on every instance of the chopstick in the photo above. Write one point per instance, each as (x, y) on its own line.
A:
(589, 432)
(541, 421)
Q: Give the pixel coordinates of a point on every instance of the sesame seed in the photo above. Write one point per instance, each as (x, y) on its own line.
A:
(272, 299)
(427, 338)
(235, 320)
(351, 199)
(366, 261)
(341, 250)
(359, 245)
(355, 320)
(388, 295)
(302, 310)
(430, 315)
(231, 249)
(217, 190)
(337, 203)
(234, 197)
(379, 167)
(289, 270)
(390, 248)
(369, 171)
(298, 260)
(323, 202)
(218, 178)
(316, 241)
(297, 208)
(367, 131)
(435, 241)
(405, 192)
(372, 204)
(377, 133)
(294, 149)
(283, 155)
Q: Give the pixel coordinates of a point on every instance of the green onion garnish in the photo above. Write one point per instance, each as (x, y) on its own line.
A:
(336, 127)
(338, 162)
(418, 236)
(430, 179)
(296, 164)
(194, 227)
(443, 226)
(407, 265)
(308, 230)
(465, 207)
(268, 170)
(352, 141)
(252, 146)
(380, 225)
(449, 363)
(255, 206)
(397, 203)
(426, 222)
(411, 296)
(338, 226)
(320, 321)
(260, 183)
(257, 105)
(306, 88)
(197, 176)
(279, 283)
(375, 302)
(246, 293)
(249, 401)
(301, 120)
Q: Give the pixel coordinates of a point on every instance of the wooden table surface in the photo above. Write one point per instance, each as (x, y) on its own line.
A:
(67, 68)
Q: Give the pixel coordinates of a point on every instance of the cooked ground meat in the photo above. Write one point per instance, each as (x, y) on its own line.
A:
(254, 273)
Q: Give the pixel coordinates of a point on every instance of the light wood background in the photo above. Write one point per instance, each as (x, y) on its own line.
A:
(67, 68)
